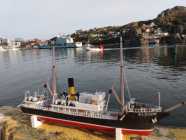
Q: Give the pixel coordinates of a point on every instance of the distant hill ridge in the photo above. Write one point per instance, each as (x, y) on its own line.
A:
(169, 26)
(172, 18)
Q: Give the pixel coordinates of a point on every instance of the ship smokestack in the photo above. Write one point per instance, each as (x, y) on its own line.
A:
(72, 93)
(70, 82)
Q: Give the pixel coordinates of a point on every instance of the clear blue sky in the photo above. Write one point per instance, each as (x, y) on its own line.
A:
(46, 18)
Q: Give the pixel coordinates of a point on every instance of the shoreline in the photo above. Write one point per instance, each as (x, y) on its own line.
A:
(18, 125)
(110, 46)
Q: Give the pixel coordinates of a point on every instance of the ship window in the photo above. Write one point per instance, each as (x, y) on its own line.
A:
(71, 104)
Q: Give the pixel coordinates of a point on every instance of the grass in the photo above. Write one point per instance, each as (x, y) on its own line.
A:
(19, 124)
(179, 133)
(59, 132)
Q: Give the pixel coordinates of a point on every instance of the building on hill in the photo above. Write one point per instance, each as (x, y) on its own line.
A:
(61, 42)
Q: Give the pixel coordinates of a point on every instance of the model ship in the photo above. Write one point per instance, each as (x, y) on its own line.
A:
(90, 110)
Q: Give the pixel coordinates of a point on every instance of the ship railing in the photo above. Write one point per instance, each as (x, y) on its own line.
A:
(112, 113)
(76, 112)
(85, 114)
(71, 111)
(142, 104)
(143, 110)
(91, 114)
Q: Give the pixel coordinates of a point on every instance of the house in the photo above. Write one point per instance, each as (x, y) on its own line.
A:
(3, 41)
(16, 43)
(62, 42)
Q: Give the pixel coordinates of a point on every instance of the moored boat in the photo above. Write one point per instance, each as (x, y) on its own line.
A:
(43, 46)
(90, 47)
(2, 49)
(79, 44)
(15, 49)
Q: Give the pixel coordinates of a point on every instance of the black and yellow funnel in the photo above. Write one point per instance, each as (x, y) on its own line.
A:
(71, 90)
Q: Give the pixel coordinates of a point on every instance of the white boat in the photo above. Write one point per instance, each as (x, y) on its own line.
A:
(94, 48)
(14, 49)
(9, 48)
(79, 44)
(2, 49)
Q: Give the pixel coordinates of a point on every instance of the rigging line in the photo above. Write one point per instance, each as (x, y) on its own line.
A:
(126, 81)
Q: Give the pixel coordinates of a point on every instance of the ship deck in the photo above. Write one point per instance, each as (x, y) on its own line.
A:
(70, 110)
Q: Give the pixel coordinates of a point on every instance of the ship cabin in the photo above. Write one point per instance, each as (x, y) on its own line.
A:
(84, 104)
(85, 101)
(89, 105)
(34, 100)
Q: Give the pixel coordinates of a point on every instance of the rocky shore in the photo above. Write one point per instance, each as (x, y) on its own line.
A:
(15, 125)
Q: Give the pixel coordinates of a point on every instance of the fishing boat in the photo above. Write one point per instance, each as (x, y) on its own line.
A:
(90, 110)
(95, 48)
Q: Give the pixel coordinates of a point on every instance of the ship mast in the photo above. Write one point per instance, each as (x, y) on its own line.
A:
(53, 80)
(121, 72)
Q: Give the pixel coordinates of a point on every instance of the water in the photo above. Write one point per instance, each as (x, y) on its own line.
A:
(148, 71)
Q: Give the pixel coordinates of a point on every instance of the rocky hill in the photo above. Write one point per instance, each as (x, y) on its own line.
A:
(169, 27)
(173, 20)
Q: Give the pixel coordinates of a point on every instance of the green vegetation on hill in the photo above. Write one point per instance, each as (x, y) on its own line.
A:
(168, 28)
(173, 20)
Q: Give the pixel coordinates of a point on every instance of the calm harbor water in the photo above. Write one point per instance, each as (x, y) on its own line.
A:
(148, 71)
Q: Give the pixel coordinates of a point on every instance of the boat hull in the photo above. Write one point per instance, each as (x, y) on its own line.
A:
(94, 49)
(130, 124)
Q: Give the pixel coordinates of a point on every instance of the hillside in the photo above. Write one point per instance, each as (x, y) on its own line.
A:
(169, 27)
(173, 20)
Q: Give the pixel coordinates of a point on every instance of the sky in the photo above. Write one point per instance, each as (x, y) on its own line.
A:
(47, 18)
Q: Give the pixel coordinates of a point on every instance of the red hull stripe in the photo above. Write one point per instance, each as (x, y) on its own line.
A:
(100, 128)
(137, 132)
(79, 124)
